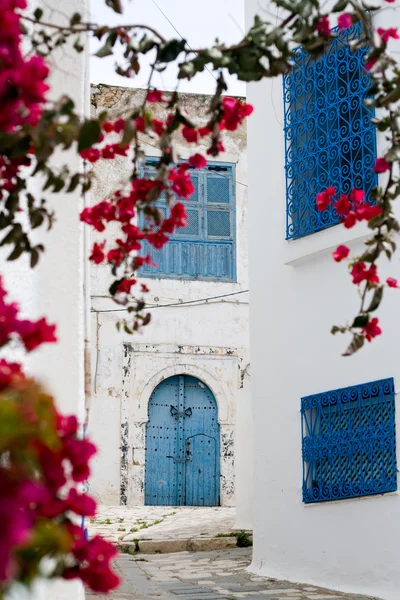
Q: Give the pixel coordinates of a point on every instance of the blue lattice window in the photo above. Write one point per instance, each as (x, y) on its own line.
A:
(205, 248)
(349, 444)
(329, 137)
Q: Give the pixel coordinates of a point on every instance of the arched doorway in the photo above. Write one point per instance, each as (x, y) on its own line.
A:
(182, 444)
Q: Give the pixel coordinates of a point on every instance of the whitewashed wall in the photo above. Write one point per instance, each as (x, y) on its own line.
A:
(55, 287)
(297, 293)
(209, 341)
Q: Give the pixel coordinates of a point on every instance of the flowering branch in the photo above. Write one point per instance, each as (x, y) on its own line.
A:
(31, 130)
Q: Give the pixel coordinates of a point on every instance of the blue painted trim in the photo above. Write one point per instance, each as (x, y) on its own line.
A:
(204, 241)
(349, 442)
(325, 143)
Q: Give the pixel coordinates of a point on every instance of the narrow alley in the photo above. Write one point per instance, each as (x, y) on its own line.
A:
(216, 575)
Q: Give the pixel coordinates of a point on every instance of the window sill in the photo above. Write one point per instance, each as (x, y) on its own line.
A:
(345, 500)
(300, 250)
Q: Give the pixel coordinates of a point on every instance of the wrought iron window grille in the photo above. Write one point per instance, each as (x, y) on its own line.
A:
(349, 442)
(329, 137)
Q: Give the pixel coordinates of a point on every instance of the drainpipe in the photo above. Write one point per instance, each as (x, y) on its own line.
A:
(86, 278)
(86, 293)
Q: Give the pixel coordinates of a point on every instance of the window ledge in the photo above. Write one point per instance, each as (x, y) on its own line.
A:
(343, 500)
(300, 250)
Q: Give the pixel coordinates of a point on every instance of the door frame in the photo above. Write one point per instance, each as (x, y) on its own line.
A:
(134, 408)
(184, 428)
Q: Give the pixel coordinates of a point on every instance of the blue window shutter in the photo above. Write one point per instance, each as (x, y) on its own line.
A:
(349, 442)
(205, 248)
(329, 137)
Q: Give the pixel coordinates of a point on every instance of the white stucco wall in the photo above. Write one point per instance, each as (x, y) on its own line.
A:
(297, 294)
(55, 287)
(209, 341)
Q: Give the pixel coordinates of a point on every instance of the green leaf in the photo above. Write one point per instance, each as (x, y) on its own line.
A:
(105, 50)
(89, 134)
(340, 5)
(129, 132)
(356, 343)
(376, 299)
(36, 218)
(16, 253)
(13, 235)
(115, 5)
(73, 183)
(392, 97)
(75, 19)
(171, 50)
(335, 329)
(38, 14)
(146, 319)
(360, 321)
(50, 181)
(114, 286)
(78, 45)
(34, 258)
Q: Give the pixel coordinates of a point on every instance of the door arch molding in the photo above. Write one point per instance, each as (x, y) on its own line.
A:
(224, 416)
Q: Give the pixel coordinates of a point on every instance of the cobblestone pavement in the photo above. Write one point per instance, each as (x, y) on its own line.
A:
(120, 523)
(206, 576)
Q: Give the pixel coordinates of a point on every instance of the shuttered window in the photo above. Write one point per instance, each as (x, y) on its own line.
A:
(205, 249)
(329, 137)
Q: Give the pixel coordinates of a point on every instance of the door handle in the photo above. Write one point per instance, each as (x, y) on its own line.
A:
(180, 460)
(176, 413)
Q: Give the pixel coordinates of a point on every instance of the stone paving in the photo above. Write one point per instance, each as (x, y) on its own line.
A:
(123, 524)
(218, 575)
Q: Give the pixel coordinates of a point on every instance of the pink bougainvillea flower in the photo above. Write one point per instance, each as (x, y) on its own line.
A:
(360, 273)
(33, 334)
(370, 64)
(342, 206)
(345, 21)
(372, 329)
(181, 181)
(323, 26)
(392, 282)
(350, 220)
(190, 134)
(91, 154)
(325, 198)
(9, 372)
(81, 504)
(179, 215)
(107, 126)
(381, 165)
(140, 124)
(155, 96)
(357, 196)
(341, 253)
(97, 256)
(234, 111)
(125, 285)
(197, 161)
(386, 34)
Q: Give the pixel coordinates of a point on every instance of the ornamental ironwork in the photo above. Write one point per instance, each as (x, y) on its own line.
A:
(349, 442)
(329, 137)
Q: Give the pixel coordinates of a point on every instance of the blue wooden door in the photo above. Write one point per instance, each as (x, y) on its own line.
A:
(182, 445)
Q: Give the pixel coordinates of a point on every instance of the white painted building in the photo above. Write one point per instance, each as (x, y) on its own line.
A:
(196, 346)
(56, 288)
(297, 293)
